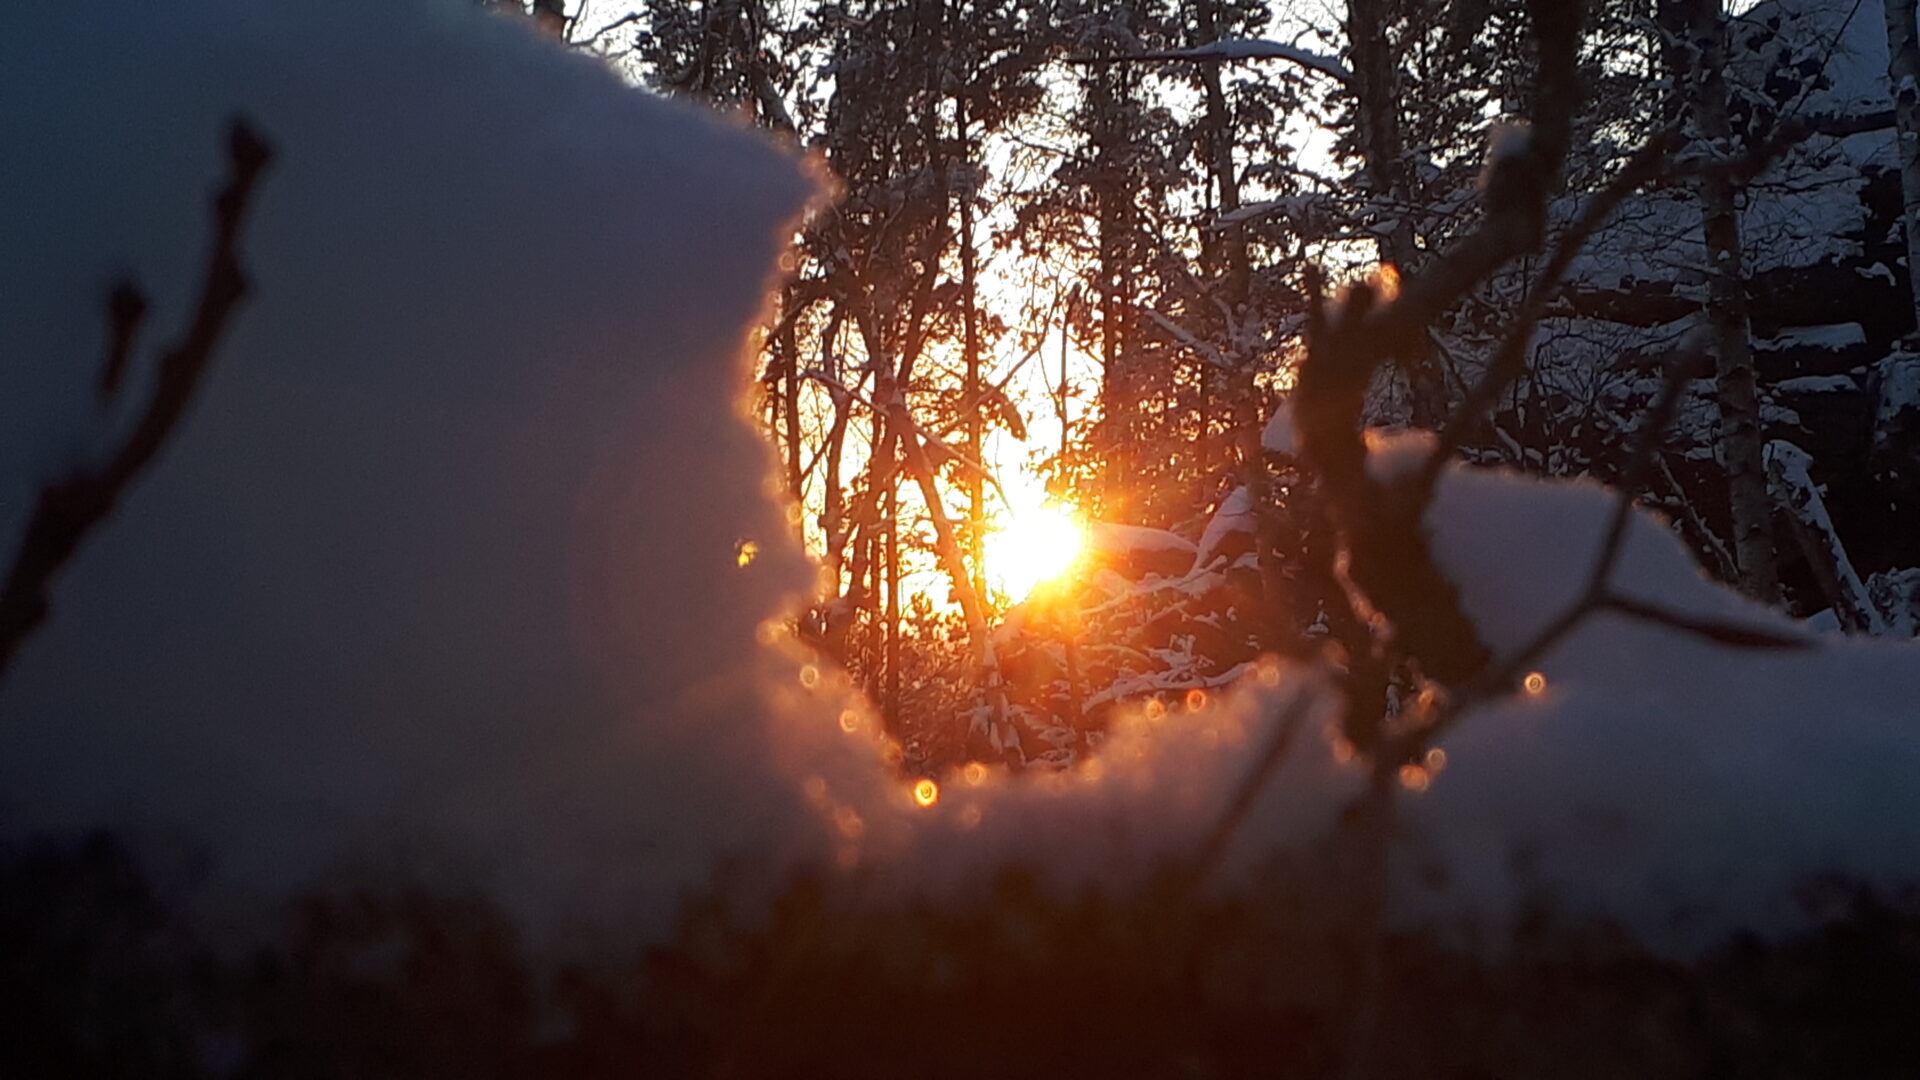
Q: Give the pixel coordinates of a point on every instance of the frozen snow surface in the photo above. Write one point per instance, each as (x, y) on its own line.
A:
(1660, 775)
(446, 554)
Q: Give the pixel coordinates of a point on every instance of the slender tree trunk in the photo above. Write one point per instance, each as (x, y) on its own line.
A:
(1741, 442)
(1903, 75)
(890, 707)
(787, 350)
(1230, 251)
(1060, 398)
(970, 351)
(1376, 85)
(1112, 196)
(1226, 178)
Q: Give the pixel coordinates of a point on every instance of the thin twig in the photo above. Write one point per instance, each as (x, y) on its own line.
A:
(71, 508)
(126, 310)
(1271, 758)
(1599, 593)
(1509, 362)
(1715, 630)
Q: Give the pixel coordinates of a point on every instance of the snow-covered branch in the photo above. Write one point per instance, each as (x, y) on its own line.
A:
(1244, 49)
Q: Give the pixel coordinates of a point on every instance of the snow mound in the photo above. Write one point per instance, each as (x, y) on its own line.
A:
(447, 550)
(1659, 775)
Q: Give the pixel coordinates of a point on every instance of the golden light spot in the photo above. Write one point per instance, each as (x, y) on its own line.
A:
(809, 676)
(974, 774)
(1435, 760)
(745, 552)
(1386, 282)
(926, 793)
(1038, 545)
(849, 721)
(1196, 699)
(1156, 710)
(1415, 777)
(847, 820)
(970, 817)
(1535, 683)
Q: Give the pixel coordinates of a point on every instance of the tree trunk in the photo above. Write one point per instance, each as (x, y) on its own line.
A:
(1376, 72)
(1741, 443)
(890, 704)
(1112, 203)
(970, 355)
(1903, 75)
(787, 353)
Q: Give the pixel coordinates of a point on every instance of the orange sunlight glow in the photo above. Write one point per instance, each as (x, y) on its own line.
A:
(926, 793)
(1039, 544)
(1386, 281)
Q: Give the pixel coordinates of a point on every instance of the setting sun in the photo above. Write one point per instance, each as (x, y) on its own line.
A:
(1038, 545)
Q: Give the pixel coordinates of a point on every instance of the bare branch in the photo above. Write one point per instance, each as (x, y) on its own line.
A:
(1715, 630)
(1274, 755)
(1509, 362)
(73, 507)
(1221, 52)
(126, 310)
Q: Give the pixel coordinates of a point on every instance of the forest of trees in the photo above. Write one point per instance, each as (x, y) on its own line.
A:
(1086, 240)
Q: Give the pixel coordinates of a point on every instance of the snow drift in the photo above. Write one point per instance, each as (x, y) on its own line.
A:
(446, 553)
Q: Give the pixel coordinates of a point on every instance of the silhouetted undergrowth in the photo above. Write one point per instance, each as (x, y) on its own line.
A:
(102, 978)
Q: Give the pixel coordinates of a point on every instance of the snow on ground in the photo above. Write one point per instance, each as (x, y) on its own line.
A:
(1847, 40)
(1837, 337)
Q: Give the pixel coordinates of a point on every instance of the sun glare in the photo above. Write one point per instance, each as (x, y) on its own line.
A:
(1038, 545)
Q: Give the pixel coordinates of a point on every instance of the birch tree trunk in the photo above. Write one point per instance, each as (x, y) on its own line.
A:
(1741, 443)
(1903, 77)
